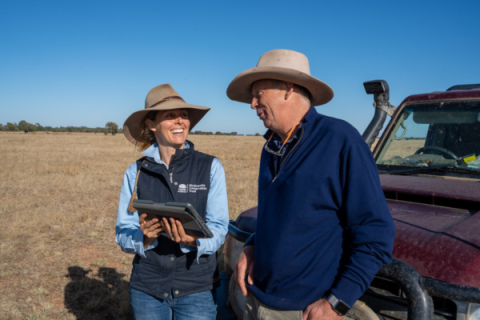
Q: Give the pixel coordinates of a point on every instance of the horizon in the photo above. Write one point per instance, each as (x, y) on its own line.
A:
(86, 63)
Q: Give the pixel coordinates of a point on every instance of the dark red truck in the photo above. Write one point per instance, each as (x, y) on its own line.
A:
(428, 159)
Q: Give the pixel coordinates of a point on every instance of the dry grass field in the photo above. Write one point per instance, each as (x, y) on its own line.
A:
(403, 148)
(58, 256)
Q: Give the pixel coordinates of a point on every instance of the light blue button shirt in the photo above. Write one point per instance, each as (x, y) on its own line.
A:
(130, 237)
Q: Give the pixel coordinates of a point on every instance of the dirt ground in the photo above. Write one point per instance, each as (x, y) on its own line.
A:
(58, 256)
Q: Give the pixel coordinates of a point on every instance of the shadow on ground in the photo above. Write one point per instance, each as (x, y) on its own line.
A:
(100, 296)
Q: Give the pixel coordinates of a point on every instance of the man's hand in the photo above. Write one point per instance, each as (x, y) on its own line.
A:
(151, 230)
(246, 261)
(175, 231)
(321, 310)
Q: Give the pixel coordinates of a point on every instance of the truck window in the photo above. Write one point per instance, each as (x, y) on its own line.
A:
(437, 134)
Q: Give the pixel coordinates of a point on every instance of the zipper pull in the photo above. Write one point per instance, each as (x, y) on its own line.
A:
(274, 179)
(171, 176)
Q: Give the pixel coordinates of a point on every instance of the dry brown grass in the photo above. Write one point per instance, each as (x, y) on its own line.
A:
(403, 148)
(58, 257)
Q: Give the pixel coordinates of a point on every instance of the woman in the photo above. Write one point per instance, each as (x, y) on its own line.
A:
(172, 272)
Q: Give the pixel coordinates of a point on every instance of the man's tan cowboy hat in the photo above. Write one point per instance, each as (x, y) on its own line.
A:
(162, 97)
(285, 65)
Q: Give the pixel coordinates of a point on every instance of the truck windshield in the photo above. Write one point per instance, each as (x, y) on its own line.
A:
(434, 135)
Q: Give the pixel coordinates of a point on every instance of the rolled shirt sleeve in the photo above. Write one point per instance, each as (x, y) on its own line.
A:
(217, 213)
(128, 234)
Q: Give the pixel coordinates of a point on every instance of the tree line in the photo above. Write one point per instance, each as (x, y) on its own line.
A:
(208, 133)
(110, 127)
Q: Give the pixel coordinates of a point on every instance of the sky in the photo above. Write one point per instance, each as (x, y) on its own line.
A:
(85, 63)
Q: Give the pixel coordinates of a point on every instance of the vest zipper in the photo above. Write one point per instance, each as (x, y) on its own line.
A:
(281, 164)
(170, 173)
(164, 167)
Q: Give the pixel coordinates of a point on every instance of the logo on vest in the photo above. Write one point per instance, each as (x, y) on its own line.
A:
(182, 188)
(193, 188)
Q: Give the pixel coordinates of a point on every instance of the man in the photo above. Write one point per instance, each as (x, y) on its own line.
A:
(323, 228)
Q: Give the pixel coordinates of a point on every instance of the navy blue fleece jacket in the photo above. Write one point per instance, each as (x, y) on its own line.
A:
(323, 223)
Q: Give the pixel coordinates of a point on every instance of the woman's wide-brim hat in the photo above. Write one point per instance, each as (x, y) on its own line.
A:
(160, 98)
(285, 65)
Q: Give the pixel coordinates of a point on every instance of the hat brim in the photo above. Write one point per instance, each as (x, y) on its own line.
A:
(132, 128)
(240, 89)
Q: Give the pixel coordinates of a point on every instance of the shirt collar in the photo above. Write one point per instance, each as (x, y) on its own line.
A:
(154, 152)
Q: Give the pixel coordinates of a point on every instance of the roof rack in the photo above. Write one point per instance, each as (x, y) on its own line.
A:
(464, 87)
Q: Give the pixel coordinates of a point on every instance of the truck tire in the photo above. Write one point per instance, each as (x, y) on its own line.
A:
(236, 299)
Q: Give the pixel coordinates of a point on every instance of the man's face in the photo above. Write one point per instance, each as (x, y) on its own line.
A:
(267, 101)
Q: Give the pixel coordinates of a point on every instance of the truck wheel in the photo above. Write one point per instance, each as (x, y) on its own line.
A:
(360, 311)
(236, 299)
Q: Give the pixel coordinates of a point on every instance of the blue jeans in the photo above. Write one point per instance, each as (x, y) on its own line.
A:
(197, 306)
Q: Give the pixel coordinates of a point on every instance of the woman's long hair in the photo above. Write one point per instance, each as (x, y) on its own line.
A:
(147, 137)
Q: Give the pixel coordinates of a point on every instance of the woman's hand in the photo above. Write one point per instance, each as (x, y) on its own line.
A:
(175, 231)
(151, 229)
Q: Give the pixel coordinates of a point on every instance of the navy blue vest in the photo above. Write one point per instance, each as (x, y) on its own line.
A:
(166, 269)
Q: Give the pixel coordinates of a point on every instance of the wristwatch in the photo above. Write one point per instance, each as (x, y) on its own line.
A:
(338, 305)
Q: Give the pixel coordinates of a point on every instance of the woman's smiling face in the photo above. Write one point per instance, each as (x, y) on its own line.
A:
(170, 127)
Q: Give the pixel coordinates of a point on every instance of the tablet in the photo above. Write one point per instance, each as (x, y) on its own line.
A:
(184, 212)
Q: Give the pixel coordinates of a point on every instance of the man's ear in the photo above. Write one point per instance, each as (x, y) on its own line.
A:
(150, 125)
(289, 89)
